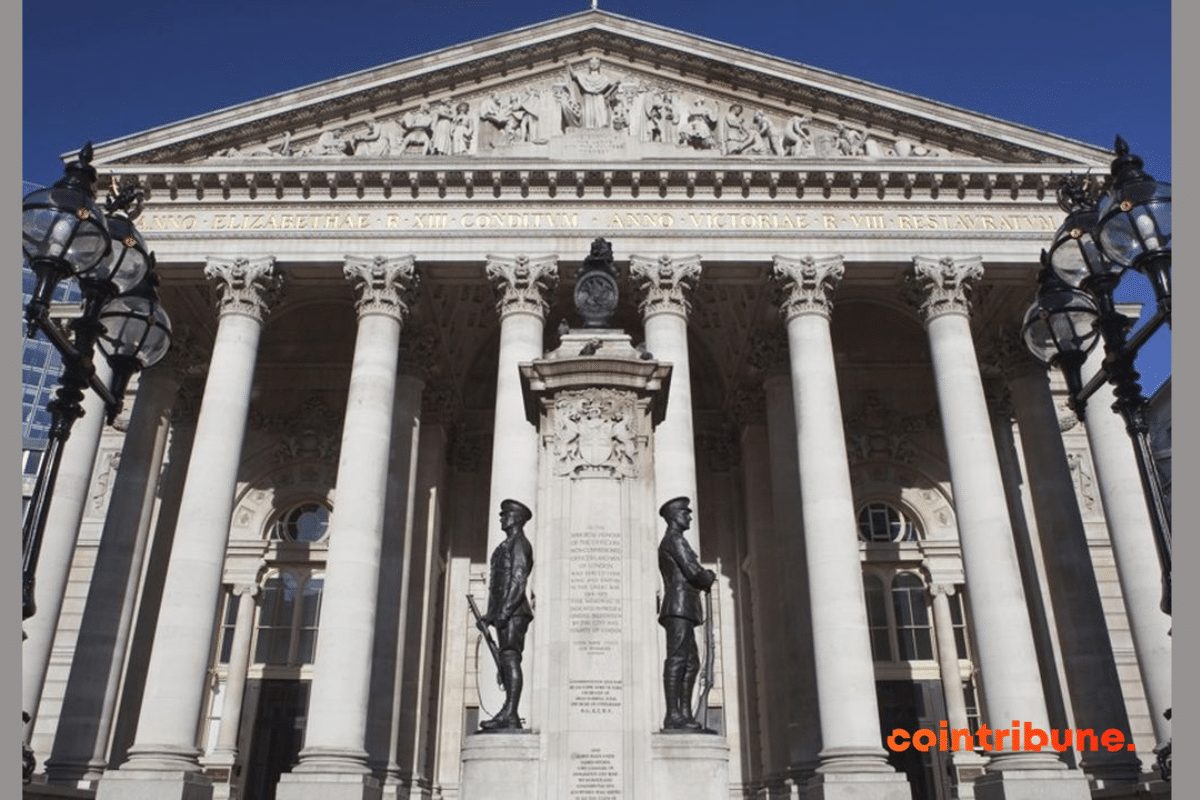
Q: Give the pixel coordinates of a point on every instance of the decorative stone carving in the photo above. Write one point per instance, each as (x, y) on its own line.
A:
(586, 102)
(465, 449)
(596, 290)
(945, 284)
(808, 284)
(748, 405)
(594, 431)
(768, 351)
(245, 286)
(382, 285)
(876, 432)
(523, 283)
(718, 441)
(665, 282)
(1085, 482)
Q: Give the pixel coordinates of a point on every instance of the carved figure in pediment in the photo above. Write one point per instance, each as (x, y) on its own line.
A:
(595, 87)
(658, 112)
(850, 142)
(443, 122)
(736, 135)
(418, 129)
(797, 136)
(494, 117)
(700, 126)
(570, 112)
(462, 130)
(768, 138)
(332, 143)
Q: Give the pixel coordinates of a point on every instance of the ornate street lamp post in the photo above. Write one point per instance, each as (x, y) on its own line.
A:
(67, 235)
(1105, 233)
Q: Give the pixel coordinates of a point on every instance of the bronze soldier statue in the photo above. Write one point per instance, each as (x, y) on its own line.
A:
(508, 609)
(683, 580)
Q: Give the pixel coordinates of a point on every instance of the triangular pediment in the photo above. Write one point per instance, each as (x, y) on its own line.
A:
(585, 88)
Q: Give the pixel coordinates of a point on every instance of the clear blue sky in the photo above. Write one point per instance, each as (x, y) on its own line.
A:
(1048, 64)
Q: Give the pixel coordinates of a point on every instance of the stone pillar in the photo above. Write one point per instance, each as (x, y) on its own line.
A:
(333, 763)
(1093, 683)
(794, 692)
(664, 284)
(523, 286)
(225, 753)
(1003, 634)
(966, 764)
(1138, 568)
(852, 760)
(402, 501)
(58, 545)
(164, 760)
(81, 742)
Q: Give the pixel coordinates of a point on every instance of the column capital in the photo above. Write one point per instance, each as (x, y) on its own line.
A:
(948, 589)
(382, 285)
(808, 284)
(523, 283)
(247, 286)
(251, 590)
(945, 284)
(664, 283)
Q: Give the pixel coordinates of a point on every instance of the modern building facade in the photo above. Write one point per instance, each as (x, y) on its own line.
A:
(262, 591)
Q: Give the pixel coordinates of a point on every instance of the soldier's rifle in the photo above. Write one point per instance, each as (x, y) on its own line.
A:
(710, 654)
(487, 636)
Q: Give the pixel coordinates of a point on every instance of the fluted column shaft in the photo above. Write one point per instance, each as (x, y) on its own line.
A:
(235, 681)
(1138, 568)
(845, 671)
(665, 284)
(85, 722)
(1093, 683)
(58, 545)
(402, 503)
(177, 671)
(943, 629)
(522, 287)
(1002, 630)
(337, 714)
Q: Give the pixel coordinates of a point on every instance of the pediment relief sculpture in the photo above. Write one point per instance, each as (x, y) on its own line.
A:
(588, 108)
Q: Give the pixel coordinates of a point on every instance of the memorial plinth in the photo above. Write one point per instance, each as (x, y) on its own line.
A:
(595, 676)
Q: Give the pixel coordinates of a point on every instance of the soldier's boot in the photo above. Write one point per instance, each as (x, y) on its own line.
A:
(677, 715)
(507, 718)
(690, 673)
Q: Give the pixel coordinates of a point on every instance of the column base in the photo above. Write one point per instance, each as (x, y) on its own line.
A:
(501, 766)
(327, 786)
(152, 785)
(1033, 784)
(858, 786)
(689, 766)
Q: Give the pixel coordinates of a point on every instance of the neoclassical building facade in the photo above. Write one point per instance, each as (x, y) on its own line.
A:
(254, 584)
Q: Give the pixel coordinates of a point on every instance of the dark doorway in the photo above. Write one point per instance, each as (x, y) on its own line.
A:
(278, 736)
(912, 705)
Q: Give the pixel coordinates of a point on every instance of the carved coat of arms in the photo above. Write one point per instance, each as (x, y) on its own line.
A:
(594, 431)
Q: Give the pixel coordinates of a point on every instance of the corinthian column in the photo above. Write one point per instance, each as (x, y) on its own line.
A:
(1092, 679)
(1138, 568)
(58, 545)
(1001, 624)
(81, 744)
(852, 754)
(333, 762)
(664, 284)
(522, 285)
(164, 760)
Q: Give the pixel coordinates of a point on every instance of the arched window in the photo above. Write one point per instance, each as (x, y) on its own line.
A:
(287, 619)
(883, 522)
(305, 522)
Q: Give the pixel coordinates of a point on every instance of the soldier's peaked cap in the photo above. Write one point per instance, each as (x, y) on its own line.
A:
(673, 505)
(517, 506)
